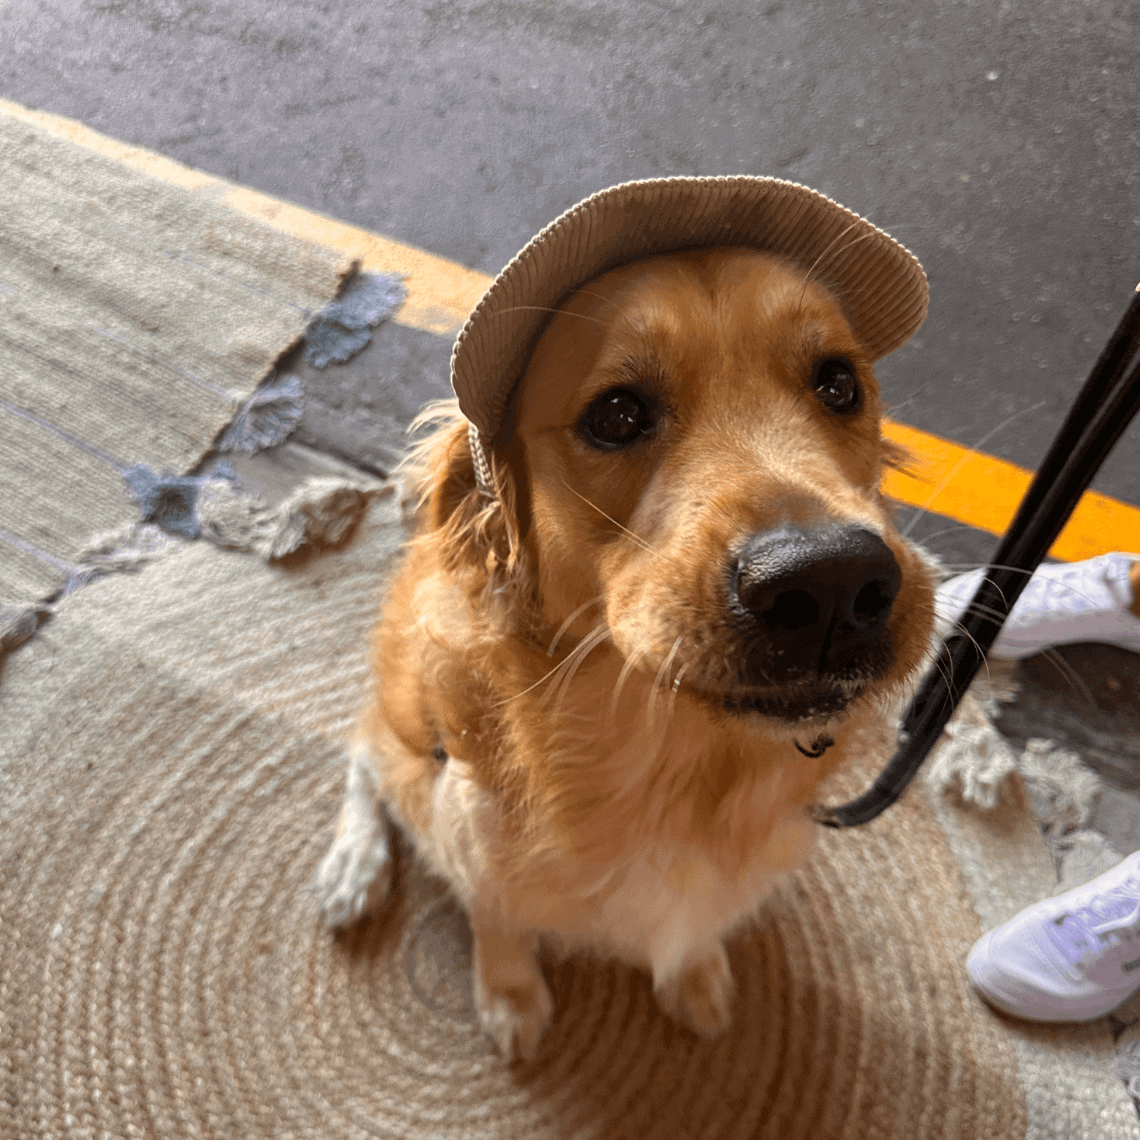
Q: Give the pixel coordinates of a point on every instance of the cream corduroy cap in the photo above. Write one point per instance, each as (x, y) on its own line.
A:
(879, 283)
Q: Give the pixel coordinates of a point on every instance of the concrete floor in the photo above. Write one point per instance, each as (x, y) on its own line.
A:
(998, 140)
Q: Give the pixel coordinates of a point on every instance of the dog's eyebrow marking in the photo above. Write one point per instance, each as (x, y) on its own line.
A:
(815, 338)
(643, 366)
(634, 368)
(624, 529)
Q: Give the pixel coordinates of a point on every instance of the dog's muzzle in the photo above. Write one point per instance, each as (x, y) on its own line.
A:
(812, 605)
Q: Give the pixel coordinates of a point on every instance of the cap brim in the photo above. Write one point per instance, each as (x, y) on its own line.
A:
(878, 283)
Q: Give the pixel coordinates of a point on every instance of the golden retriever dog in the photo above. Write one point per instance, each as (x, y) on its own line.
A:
(606, 694)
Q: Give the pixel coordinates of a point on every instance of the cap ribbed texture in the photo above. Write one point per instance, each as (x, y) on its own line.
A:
(879, 284)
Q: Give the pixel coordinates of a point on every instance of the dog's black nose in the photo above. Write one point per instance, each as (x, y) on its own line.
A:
(820, 597)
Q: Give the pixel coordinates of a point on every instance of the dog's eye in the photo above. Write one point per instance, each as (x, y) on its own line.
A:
(616, 418)
(836, 386)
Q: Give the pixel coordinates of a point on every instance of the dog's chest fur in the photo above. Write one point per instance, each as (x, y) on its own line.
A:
(647, 903)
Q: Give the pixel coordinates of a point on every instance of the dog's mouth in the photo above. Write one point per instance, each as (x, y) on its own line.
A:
(758, 685)
(801, 696)
(817, 701)
(811, 703)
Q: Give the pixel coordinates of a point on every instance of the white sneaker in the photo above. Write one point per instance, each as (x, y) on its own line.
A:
(1075, 957)
(1064, 602)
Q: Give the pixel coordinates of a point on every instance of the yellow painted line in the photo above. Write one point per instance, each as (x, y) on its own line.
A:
(441, 293)
(967, 486)
(984, 492)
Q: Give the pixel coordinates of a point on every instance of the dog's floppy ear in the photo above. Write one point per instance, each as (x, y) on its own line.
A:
(477, 531)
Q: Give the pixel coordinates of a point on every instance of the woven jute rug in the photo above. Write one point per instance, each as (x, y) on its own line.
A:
(135, 317)
(171, 764)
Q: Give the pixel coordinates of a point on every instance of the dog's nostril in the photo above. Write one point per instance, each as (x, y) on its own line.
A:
(791, 610)
(872, 600)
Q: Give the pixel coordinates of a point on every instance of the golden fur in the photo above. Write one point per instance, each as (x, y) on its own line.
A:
(564, 647)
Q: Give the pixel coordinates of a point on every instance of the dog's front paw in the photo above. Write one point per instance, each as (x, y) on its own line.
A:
(699, 995)
(355, 877)
(511, 995)
(516, 1018)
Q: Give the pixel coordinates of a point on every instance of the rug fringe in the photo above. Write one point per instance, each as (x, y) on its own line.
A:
(320, 513)
(976, 766)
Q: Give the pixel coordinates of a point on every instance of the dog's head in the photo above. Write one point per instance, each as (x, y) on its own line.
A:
(691, 463)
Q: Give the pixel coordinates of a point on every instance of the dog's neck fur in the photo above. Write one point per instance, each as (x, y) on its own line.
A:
(611, 763)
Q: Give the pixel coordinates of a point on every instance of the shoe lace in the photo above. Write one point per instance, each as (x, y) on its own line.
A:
(1083, 935)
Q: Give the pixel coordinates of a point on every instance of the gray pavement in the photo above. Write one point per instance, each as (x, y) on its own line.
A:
(999, 141)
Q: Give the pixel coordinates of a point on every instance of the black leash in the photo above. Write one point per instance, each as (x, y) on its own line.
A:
(1102, 411)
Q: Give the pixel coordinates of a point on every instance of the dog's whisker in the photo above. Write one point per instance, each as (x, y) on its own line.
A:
(990, 611)
(1059, 663)
(581, 651)
(983, 611)
(627, 669)
(651, 708)
(1070, 675)
(947, 612)
(548, 309)
(945, 676)
(967, 566)
(563, 664)
(569, 621)
(985, 658)
(810, 277)
(581, 646)
(565, 682)
(583, 292)
(625, 530)
(1076, 681)
(675, 688)
(530, 688)
(1028, 573)
(557, 675)
(949, 530)
(970, 452)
